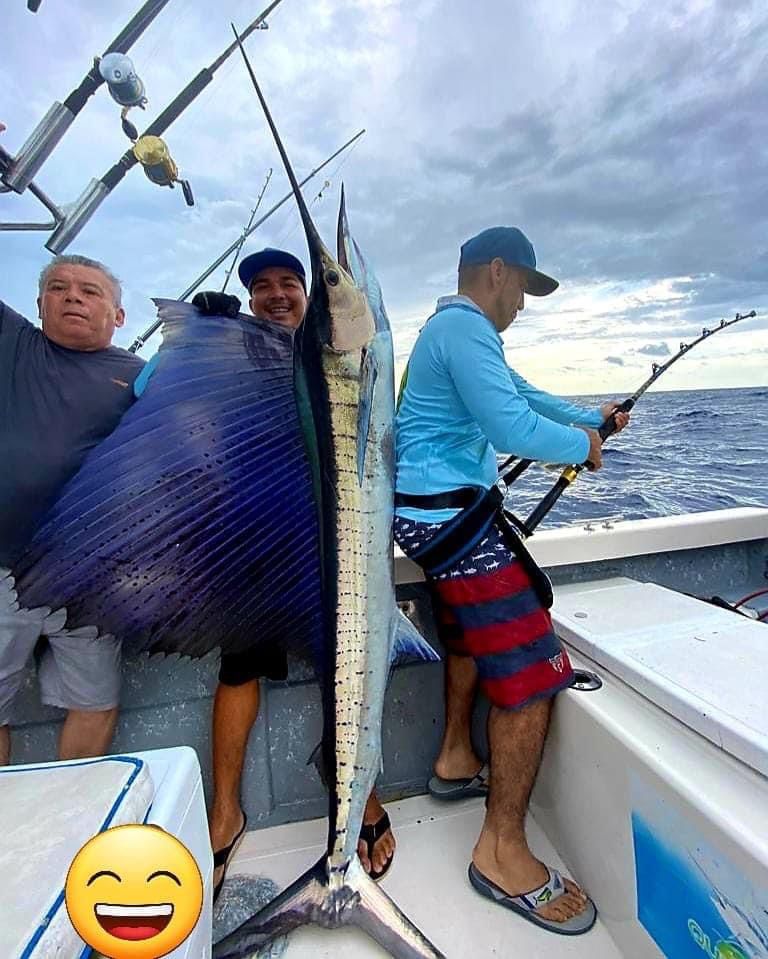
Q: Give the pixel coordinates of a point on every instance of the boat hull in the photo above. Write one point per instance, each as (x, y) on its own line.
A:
(664, 829)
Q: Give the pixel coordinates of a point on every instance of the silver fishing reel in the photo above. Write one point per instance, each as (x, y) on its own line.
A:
(125, 87)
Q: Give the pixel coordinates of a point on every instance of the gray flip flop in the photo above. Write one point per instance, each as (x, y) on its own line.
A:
(526, 904)
(451, 789)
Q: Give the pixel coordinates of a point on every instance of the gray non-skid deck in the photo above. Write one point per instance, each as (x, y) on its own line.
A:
(167, 702)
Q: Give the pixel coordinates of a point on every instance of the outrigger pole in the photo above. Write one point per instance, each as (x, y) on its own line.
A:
(608, 427)
(141, 340)
(18, 172)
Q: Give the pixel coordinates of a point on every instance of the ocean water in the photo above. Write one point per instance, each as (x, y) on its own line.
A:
(683, 452)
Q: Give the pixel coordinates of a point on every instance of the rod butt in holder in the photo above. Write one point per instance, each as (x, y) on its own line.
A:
(77, 216)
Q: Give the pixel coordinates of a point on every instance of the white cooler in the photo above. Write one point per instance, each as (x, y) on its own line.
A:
(50, 810)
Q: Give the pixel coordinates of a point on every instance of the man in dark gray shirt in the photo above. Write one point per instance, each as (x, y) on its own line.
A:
(63, 389)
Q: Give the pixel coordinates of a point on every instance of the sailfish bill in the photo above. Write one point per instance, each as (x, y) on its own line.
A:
(345, 382)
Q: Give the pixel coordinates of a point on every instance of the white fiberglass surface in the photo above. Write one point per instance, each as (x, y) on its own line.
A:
(48, 812)
(703, 665)
(428, 881)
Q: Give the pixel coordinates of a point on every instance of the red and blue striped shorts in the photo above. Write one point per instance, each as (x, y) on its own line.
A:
(485, 607)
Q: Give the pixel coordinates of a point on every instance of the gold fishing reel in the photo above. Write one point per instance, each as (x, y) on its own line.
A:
(153, 154)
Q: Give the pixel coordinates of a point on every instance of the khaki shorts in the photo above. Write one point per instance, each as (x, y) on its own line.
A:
(77, 669)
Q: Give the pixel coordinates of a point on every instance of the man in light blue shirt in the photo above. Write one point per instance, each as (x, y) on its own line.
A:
(460, 405)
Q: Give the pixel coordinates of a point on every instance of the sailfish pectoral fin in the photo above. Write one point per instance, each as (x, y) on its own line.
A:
(369, 372)
(408, 642)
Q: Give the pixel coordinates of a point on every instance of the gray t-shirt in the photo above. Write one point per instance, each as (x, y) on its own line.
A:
(55, 405)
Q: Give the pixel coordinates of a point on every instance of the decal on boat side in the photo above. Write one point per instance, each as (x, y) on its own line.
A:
(692, 898)
(722, 948)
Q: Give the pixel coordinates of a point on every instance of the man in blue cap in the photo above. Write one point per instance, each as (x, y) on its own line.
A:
(460, 404)
(276, 283)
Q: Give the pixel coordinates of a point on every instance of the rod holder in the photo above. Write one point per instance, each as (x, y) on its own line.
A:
(77, 216)
(39, 146)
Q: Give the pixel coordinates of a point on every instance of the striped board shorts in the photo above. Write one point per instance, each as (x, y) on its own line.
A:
(485, 607)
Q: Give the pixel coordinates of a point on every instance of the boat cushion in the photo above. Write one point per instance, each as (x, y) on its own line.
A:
(48, 812)
(703, 665)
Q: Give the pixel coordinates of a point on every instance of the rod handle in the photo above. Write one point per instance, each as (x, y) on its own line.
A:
(608, 427)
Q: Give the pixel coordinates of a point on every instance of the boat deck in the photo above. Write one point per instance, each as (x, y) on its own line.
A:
(428, 881)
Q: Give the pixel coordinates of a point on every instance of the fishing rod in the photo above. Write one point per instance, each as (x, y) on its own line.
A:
(239, 246)
(18, 172)
(607, 428)
(141, 340)
(149, 150)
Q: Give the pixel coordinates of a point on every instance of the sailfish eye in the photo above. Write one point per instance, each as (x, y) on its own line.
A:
(332, 278)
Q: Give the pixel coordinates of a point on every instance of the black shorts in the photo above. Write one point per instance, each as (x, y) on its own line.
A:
(267, 660)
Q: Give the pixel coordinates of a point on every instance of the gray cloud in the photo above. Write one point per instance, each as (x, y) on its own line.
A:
(630, 143)
(654, 349)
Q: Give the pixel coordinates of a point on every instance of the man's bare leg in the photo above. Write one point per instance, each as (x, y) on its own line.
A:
(5, 745)
(516, 741)
(384, 847)
(87, 733)
(235, 709)
(457, 758)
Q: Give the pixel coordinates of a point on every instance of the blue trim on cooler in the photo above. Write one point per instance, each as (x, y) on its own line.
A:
(49, 916)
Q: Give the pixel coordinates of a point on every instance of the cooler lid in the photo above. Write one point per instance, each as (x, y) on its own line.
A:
(49, 811)
(703, 665)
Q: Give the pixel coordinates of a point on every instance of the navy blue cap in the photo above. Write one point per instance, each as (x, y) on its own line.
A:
(515, 249)
(256, 262)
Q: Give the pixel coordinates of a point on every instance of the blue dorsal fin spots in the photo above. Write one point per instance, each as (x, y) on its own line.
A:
(368, 375)
(408, 642)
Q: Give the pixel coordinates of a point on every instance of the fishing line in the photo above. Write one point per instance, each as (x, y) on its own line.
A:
(570, 473)
(293, 213)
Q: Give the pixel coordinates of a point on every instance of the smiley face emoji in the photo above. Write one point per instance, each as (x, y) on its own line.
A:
(134, 892)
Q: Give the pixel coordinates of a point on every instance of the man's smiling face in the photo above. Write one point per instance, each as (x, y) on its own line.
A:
(278, 295)
(134, 892)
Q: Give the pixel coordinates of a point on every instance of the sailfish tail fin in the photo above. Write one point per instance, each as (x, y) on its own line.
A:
(293, 907)
(356, 900)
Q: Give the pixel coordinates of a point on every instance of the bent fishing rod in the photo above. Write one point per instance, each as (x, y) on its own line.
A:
(141, 340)
(607, 428)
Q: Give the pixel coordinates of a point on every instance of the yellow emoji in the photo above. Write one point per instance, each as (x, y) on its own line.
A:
(134, 892)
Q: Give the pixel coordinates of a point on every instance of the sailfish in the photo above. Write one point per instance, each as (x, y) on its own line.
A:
(345, 381)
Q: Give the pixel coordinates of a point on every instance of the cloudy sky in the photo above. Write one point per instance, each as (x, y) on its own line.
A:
(628, 138)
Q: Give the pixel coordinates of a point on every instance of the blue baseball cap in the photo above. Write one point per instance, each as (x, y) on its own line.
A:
(256, 262)
(515, 249)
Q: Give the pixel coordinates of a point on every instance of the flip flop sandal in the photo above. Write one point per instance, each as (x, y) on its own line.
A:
(370, 834)
(451, 789)
(224, 856)
(526, 904)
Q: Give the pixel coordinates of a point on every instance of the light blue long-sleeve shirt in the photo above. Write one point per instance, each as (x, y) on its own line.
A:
(462, 404)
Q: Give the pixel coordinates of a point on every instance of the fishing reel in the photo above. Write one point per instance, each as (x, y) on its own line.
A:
(125, 87)
(157, 162)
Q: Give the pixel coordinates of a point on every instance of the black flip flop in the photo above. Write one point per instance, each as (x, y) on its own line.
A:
(525, 905)
(452, 789)
(223, 857)
(370, 834)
